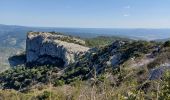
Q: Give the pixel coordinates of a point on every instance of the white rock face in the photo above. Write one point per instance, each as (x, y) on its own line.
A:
(46, 48)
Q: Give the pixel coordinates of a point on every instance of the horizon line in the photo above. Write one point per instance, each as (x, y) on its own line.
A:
(84, 27)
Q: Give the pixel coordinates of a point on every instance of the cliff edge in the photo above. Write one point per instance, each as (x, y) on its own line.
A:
(44, 48)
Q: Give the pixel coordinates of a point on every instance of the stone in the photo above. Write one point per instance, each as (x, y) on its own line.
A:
(157, 73)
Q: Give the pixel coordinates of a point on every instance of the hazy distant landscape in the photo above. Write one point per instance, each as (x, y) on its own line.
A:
(146, 34)
(15, 36)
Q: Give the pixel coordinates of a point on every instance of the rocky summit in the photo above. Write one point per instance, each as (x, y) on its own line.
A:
(43, 48)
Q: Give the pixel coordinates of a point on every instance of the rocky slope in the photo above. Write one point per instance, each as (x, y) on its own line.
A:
(53, 49)
(151, 58)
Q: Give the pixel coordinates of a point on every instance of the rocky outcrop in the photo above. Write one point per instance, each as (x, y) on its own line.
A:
(157, 73)
(54, 49)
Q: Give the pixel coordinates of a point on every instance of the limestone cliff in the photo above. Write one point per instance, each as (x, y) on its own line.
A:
(50, 48)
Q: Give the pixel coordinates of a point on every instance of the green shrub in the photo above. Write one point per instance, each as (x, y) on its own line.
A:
(165, 89)
(59, 82)
(24, 77)
(101, 78)
(44, 96)
(167, 44)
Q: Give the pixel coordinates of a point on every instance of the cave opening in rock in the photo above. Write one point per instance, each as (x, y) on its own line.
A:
(47, 60)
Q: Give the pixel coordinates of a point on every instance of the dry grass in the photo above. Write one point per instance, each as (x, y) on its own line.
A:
(79, 91)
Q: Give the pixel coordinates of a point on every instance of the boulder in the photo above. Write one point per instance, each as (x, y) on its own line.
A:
(158, 72)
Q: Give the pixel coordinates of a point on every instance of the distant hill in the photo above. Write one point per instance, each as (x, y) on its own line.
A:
(104, 40)
(163, 40)
(15, 36)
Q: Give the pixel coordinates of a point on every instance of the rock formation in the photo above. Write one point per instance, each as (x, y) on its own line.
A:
(53, 49)
(157, 73)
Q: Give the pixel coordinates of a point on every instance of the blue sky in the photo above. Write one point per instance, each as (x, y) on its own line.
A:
(86, 13)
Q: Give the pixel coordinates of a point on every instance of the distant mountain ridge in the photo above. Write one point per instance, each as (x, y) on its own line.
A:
(137, 33)
(163, 40)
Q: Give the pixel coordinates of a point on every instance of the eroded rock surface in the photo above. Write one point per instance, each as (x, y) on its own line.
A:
(47, 48)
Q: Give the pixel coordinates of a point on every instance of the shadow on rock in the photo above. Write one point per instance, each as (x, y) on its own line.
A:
(17, 60)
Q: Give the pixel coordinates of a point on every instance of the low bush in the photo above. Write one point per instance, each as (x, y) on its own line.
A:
(167, 44)
(59, 82)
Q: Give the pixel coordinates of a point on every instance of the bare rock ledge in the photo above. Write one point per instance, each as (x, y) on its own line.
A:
(43, 48)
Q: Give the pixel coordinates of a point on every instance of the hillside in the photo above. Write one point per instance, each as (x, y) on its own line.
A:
(12, 45)
(119, 69)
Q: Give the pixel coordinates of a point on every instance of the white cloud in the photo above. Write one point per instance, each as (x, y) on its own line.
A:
(127, 7)
(126, 15)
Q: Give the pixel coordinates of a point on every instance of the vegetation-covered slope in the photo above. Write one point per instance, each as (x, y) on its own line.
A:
(103, 40)
(96, 76)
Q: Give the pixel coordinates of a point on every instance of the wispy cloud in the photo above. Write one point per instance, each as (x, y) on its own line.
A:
(126, 11)
(126, 15)
(127, 7)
